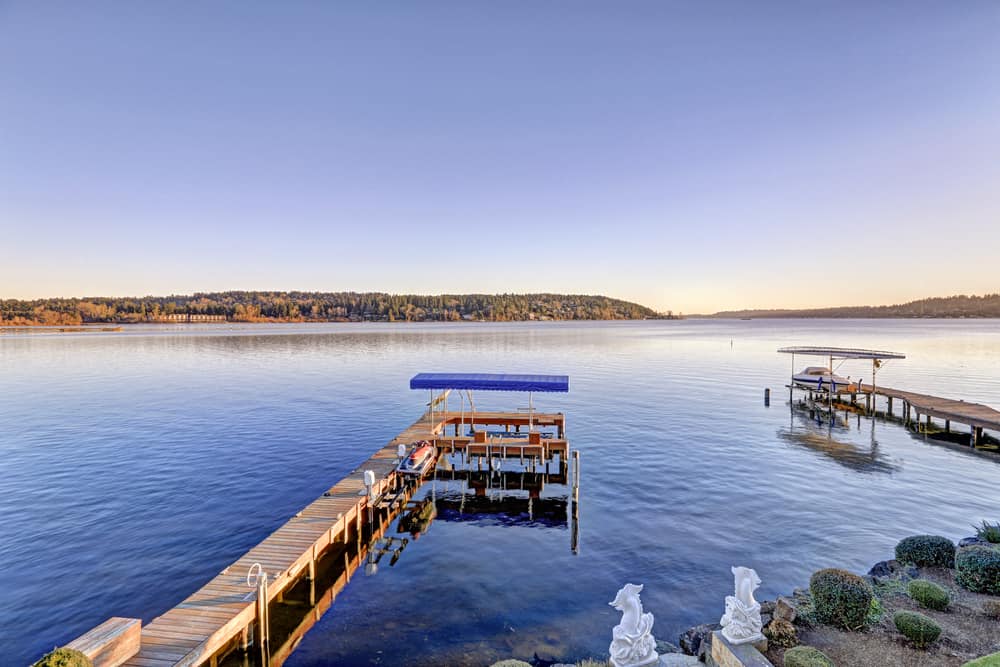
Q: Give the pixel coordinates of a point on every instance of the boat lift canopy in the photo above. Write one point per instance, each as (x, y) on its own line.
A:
(467, 382)
(490, 382)
(843, 353)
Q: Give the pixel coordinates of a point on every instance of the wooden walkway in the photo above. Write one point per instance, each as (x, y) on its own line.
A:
(975, 415)
(218, 614)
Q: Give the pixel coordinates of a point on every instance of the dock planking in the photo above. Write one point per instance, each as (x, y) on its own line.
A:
(971, 414)
(214, 618)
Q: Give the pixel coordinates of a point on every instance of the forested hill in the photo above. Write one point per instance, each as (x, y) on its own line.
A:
(320, 306)
(987, 305)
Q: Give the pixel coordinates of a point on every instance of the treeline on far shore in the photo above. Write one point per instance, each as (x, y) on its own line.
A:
(987, 305)
(320, 307)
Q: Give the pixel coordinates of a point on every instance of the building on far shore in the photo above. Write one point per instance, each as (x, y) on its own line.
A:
(188, 317)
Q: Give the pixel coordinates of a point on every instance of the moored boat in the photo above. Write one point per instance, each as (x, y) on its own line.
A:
(419, 460)
(820, 378)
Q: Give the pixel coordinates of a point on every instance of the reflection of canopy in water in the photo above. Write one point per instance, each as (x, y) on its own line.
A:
(507, 510)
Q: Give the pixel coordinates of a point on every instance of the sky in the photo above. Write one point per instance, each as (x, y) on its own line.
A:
(691, 156)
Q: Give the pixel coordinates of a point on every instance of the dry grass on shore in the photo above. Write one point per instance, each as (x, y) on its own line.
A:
(966, 631)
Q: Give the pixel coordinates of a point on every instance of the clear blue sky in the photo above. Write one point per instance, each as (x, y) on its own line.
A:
(693, 156)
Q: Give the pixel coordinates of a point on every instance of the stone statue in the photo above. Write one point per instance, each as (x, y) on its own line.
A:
(741, 623)
(632, 643)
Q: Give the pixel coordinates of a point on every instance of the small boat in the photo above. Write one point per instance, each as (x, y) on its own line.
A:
(420, 459)
(820, 378)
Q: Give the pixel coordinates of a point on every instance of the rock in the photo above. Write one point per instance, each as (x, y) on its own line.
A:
(884, 568)
(972, 541)
(785, 609)
(666, 647)
(765, 619)
(693, 638)
(767, 606)
(782, 633)
(910, 572)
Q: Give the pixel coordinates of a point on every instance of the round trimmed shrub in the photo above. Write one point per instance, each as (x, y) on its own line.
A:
(919, 629)
(64, 657)
(928, 594)
(979, 569)
(806, 656)
(991, 660)
(841, 598)
(926, 551)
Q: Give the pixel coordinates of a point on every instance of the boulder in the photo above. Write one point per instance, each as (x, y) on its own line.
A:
(695, 640)
(767, 606)
(884, 568)
(972, 541)
(785, 609)
(666, 647)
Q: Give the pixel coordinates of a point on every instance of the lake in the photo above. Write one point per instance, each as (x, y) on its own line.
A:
(137, 465)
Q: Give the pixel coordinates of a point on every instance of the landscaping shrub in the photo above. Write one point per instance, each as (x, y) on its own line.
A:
(926, 551)
(979, 569)
(841, 598)
(992, 608)
(991, 660)
(64, 657)
(989, 532)
(919, 629)
(806, 656)
(928, 594)
(781, 633)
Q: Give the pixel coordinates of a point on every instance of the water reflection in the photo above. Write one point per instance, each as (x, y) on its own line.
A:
(494, 498)
(814, 430)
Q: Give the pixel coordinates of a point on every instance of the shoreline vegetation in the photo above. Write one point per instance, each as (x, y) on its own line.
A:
(935, 603)
(320, 307)
(957, 306)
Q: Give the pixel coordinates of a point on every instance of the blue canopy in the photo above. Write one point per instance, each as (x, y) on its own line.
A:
(490, 381)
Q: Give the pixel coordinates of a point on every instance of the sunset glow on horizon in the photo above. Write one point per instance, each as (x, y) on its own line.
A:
(690, 157)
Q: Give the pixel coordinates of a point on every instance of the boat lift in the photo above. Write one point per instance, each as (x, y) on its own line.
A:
(878, 359)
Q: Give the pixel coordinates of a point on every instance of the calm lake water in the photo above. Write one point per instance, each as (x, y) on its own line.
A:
(137, 465)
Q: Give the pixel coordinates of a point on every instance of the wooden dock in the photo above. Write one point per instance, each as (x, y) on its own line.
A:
(223, 614)
(974, 415)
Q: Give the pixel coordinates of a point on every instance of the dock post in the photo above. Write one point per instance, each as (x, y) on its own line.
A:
(928, 426)
(889, 408)
(262, 618)
(947, 426)
(767, 397)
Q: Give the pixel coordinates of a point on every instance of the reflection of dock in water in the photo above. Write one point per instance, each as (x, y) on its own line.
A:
(849, 455)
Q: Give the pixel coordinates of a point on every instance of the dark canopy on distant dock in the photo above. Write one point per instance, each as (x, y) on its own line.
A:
(490, 382)
(843, 353)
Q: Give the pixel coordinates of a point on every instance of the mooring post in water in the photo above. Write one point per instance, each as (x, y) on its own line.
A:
(767, 396)
(575, 496)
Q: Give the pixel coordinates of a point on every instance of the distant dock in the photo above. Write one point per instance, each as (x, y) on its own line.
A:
(915, 406)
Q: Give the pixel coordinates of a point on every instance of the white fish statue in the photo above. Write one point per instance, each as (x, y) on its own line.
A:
(632, 643)
(741, 624)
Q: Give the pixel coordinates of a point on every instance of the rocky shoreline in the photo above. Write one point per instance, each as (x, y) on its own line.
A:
(789, 619)
(961, 629)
